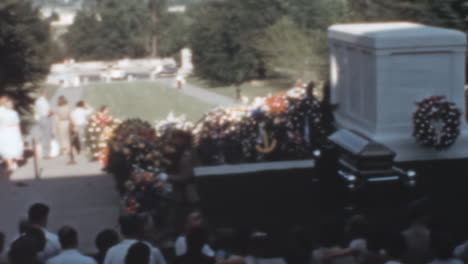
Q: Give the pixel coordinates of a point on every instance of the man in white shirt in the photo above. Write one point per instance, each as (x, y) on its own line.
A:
(38, 215)
(70, 255)
(42, 115)
(131, 229)
(79, 117)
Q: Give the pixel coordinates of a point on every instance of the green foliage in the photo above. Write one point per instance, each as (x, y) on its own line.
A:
(24, 51)
(223, 38)
(382, 10)
(450, 13)
(174, 34)
(317, 14)
(119, 29)
(294, 51)
(83, 39)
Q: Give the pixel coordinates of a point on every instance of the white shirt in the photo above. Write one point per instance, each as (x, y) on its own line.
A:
(41, 108)
(71, 256)
(448, 261)
(117, 253)
(359, 244)
(181, 248)
(79, 116)
(52, 247)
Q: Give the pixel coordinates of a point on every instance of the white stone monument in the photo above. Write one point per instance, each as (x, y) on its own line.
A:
(380, 70)
(186, 58)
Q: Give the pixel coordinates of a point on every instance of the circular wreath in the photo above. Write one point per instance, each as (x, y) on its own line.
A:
(436, 122)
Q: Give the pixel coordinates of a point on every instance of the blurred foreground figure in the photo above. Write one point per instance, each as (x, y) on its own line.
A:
(11, 142)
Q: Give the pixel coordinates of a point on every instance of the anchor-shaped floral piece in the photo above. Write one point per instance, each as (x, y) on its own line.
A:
(267, 146)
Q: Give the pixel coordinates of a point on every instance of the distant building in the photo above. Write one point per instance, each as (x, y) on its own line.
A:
(177, 9)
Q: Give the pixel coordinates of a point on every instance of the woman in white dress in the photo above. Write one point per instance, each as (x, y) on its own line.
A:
(11, 142)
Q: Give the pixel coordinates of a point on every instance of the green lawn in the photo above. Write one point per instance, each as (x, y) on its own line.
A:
(145, 100)
(250, 89)
(49, 88)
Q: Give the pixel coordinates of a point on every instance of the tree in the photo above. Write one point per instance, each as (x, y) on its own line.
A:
(174, 34)
(123, 29)
(117, 29)
(382, 10)
(83, 39)
(294, 51)
(223, 38)
(24, 51)
(158, 10)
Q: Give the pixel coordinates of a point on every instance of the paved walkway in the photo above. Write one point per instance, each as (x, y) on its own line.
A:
(80, 195)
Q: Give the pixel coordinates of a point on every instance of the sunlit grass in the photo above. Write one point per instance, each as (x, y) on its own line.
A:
(145, 100)
(250, 89)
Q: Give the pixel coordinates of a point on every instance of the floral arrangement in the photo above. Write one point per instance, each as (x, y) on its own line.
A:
(133, 147)
(278, 127)
(172, 122)
(281, 126)
(436, 122)
(99, 130)
(146, 191)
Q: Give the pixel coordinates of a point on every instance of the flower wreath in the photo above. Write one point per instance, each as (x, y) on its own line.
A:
(436, 122)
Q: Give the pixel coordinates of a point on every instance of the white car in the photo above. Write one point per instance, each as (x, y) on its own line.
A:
(114, 74)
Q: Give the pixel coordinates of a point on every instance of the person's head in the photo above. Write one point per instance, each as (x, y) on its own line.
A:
(103, 109)
(196, 238)
(418, 211)
(182, 139)
(138, 253)
(7, 102)
(68, 237)
(62, 100)
(38, 214)
(43, 93)
(2, 242)
(396, 246)
(3, 99)
(38, 236)
(106, 239)
(357, 227)
(23, 251)
(441, 245)
(80, 104)
(194, 219)
(130, 225)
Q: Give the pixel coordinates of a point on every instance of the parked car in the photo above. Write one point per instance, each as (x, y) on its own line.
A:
(167, 71)
(114, 74)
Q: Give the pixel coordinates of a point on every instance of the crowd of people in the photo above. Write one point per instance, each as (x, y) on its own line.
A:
(60, 127)
(64, 124)
(419, 243)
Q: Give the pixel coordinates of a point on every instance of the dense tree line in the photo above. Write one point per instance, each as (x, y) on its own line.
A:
(234, 41)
